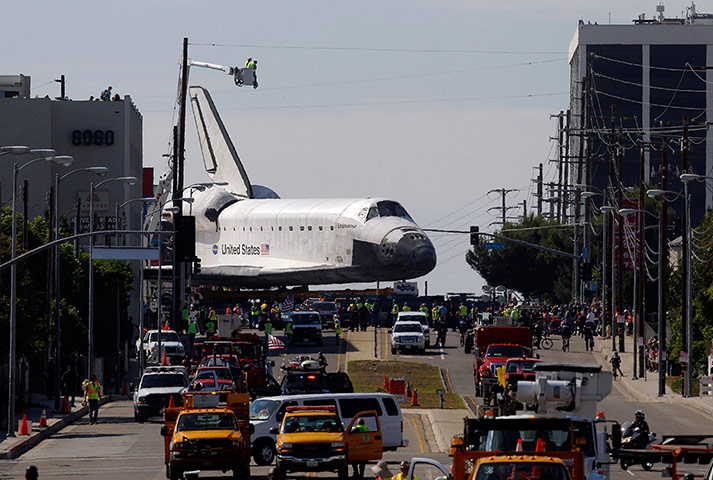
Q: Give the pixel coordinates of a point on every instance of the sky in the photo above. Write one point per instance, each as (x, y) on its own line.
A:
(433, 103)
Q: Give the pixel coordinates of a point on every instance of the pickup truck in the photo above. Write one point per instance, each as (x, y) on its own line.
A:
(171, 345)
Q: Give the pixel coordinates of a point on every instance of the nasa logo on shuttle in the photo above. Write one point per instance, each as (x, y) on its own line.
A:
(215, 249)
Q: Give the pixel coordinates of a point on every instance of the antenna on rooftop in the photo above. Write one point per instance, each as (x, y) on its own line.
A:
(660, 9)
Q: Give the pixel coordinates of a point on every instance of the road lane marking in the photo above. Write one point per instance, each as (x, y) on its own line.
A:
(418, 434)
(448, 377)
(443, 354)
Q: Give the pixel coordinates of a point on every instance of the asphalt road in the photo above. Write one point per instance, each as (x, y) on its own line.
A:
(121, 449)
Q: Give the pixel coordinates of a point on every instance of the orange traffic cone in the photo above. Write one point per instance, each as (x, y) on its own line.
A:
(386, 383)
(65, 405)
(518, 448)
(164, 361)
(24, 429)
(126, 389)
(414, 398)
(408, 390)
(171, 403)
(43, 418)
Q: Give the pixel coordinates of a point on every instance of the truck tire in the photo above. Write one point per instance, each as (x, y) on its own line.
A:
(174, 473)
(140, 418)
(279, 473)
(264, 452)
(241, 471)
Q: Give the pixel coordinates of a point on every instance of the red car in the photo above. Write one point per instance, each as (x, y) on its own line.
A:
(520, 369)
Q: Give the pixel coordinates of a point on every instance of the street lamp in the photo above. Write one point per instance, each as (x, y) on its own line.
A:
(101, 171)
(130, 181)
(48, 155)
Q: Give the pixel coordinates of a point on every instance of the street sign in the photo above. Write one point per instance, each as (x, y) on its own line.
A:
(585, 253)
(593, 287)
(495, 246)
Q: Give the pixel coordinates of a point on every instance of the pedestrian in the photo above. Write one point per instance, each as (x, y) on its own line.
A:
(106, 94)
(381, 471)
(31, 473)
(115, 98)
(616, 364)
(337, 330)
(93, 397)
(405, 465)
(69, 380)
(192, 332)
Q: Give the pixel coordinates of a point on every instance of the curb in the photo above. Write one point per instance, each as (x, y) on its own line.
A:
(32, 440)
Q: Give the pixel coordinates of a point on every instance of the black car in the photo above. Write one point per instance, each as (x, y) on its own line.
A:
(306, 327)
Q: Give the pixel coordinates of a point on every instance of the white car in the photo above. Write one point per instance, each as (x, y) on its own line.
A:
(154, 392)
(170, 345)
(408, 336)
(420, 317)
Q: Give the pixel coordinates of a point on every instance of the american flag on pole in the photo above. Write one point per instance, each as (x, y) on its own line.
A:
(274, 343)
(289, 303)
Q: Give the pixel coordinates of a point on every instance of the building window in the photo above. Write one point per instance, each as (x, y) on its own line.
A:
(290, 228)
(279, 228)
(331, 227)
(320, 228)
(309, 228)
(302, 228)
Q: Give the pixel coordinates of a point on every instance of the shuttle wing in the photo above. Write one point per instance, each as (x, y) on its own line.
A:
(219, 155)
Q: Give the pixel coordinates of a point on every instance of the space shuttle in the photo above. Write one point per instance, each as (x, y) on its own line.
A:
(247, 236)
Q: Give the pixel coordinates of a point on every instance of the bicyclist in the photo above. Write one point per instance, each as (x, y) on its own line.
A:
(566, 334)
(539, 331)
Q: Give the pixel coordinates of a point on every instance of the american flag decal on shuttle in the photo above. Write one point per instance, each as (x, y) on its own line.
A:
(264, 249)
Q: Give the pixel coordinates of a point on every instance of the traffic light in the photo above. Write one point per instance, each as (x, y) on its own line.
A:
(196, 265)
(185, 228)
(585, 271)
(474, 235)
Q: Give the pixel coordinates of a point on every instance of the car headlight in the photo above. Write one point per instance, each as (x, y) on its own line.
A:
(285, 448)
(177, 447)
(337, 444)
(142, 399)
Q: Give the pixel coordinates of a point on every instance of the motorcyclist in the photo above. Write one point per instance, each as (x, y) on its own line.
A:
(640, 423)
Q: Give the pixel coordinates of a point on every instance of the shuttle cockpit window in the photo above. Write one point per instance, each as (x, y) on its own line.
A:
(388, 208)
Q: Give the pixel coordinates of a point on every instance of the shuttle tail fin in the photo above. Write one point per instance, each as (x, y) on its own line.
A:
(219, 155)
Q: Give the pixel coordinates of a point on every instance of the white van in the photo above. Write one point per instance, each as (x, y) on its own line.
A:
(267, 413)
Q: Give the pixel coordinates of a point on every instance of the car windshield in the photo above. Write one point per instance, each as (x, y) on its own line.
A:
(407, 327)
(262, 409)
(305, 382)
(527, 367)
(324, 306)
(414, 318)
(245, 350)
(312, 423)
(206, 421)
(504, 351)
(163, 380)
(219, 362)
(165, 337)
(306, 319)
(221, 373)
(557, 437)
(522, 471)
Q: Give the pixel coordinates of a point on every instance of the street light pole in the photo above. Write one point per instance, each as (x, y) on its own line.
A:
(90, 313)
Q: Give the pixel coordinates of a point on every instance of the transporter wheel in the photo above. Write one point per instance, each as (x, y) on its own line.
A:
(264, 452)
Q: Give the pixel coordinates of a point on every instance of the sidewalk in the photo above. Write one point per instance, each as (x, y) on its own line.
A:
(13, 447)
(644, 389)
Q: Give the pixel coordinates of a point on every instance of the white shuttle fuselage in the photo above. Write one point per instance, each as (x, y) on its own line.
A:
(263, 242)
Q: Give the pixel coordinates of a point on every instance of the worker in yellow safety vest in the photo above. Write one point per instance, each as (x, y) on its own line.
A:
(93, 397)
(405, 465)
(337, 329)
(394, 311)
(406, 308)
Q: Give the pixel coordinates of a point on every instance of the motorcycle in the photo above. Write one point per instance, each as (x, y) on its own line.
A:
(633, 438)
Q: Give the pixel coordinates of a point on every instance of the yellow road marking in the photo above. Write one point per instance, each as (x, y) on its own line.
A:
(448, 377)
(386, 344)
(420, 441)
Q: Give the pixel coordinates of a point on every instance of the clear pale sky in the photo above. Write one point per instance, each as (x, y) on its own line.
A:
(430, 102)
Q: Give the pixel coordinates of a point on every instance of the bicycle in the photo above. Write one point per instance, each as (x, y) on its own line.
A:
(546, 343)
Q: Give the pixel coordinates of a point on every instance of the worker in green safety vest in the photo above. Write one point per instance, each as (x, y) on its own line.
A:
(337, 330)
(394, 311)
(288, 331)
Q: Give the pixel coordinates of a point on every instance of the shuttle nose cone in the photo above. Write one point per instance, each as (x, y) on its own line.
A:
(423, 259)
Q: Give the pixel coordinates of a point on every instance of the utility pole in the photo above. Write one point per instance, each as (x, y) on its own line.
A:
(640, 315)
(663, 258)
(524, 209)
(688, 390)
(504, 209)
(620, 243)
(539, 191)
(560, 141)
(612, 183)
(565, 180)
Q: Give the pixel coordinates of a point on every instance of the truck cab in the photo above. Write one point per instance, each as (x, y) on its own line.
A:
(207, 434)
(312, 439)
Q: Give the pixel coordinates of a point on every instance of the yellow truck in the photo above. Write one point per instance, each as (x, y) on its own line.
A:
(502, 466)
(313, 439)
(208, 433)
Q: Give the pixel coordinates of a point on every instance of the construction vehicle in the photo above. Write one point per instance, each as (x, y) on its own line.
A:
(207, 433)
(492, 348)
(559, 415)
(497, 465)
